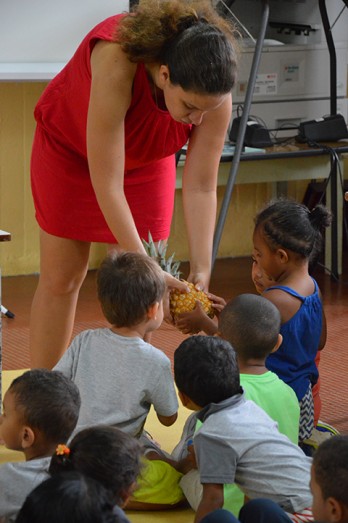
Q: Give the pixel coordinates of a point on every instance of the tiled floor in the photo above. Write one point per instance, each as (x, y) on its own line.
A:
(230, 277)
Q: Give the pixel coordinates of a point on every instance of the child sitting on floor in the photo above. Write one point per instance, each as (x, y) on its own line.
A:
(40, 410)
(329, 481)
(69, 497)
(237, 442)
(329, 485)
(251, 325)
(118, 374)
(106, 454)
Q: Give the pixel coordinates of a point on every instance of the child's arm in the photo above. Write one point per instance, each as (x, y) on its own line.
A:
(197, 320)
(323, 334)
(212, 499)
(167, 421)
(163, 397)
(183, 465)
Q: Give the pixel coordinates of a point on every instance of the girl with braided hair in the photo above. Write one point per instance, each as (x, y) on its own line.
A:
(139, 86)
(284, 237)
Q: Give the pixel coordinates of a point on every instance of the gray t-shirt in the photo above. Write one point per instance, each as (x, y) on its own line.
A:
(119, 378)
(239, 443)
(17, 480)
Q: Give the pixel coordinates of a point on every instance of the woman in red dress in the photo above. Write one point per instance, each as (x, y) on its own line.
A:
(103, 161)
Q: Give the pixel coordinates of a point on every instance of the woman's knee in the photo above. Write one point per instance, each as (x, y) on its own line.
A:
(61, 283)
(63, 264)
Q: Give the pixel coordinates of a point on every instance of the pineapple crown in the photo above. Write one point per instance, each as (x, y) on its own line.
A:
(159, 253)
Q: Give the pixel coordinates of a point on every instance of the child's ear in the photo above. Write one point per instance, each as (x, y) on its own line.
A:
(283, 255)
(278, 344)
(183, 398)
(335, 510)
(187, 402)
(27, 437)
(152, 311)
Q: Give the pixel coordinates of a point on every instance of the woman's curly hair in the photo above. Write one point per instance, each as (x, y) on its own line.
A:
(198, 45)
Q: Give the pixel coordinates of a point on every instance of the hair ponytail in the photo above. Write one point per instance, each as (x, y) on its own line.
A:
(320, 217)
(61, 460)
(103, 453)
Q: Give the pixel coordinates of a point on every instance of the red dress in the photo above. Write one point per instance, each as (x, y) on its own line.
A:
(64, 198)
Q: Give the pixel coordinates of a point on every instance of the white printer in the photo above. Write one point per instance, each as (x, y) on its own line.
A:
(293, 81)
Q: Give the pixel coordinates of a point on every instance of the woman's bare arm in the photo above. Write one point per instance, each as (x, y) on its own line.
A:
(199, 188)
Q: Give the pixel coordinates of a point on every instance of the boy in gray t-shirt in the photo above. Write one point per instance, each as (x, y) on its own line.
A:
(40, 411)
(237, 442)
(119, 374)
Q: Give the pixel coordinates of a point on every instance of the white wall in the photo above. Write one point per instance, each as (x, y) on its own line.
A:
(49, 30)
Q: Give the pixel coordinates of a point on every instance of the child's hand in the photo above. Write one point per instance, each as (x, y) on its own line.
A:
(189, 462)
(195, 321)
(191, 322)
(218, 303)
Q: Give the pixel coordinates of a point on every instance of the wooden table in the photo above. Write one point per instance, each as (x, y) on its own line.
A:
(280, 164)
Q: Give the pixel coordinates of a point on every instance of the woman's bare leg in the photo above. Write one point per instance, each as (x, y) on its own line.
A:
(63, 267)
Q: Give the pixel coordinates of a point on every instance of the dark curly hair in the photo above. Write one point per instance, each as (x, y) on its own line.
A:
(68, 497)
(330, 464)
(105, 454)
(198, 46)
(48, 401)
(206, 369)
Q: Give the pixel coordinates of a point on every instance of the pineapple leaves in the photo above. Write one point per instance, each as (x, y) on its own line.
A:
(159, 253)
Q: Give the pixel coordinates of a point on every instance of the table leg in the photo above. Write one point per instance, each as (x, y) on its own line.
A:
(334, 234)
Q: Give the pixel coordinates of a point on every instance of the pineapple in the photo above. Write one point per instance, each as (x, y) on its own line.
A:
(179, 301)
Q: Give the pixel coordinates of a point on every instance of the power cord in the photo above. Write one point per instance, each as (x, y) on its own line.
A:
(335, 167)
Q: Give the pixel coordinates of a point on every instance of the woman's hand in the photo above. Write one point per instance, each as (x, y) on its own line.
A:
(172, 283)
(200, 280)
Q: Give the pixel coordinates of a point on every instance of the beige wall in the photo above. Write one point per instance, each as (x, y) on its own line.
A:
(21, 255)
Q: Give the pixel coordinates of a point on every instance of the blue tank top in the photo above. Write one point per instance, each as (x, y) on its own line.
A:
(294, 361)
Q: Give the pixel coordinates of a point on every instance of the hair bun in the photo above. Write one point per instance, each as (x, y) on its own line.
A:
(320, 217)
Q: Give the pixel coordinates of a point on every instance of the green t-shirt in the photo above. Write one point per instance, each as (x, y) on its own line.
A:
(276, 398)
